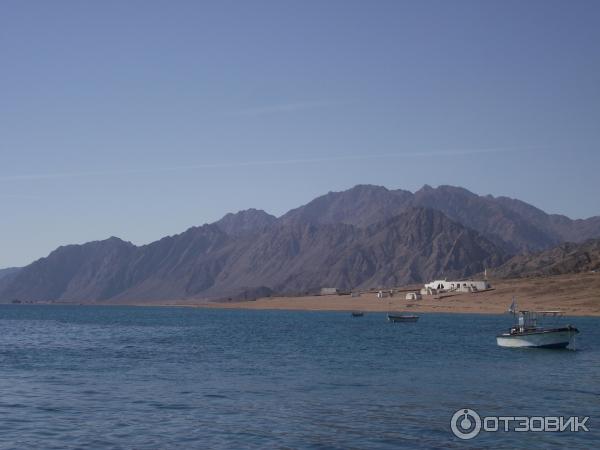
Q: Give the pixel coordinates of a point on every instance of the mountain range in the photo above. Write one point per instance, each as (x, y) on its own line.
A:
(365, 237)
(514, 225)
(562, 259)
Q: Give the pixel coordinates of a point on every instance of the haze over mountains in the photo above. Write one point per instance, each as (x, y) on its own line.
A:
(367, 236)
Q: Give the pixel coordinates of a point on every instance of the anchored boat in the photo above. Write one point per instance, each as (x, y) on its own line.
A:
(357, 314)
(401, 318)
(528, 333)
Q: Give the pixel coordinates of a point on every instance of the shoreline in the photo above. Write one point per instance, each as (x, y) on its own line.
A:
(275, 304)
(412, 311)
(239, 307)
(573, 294)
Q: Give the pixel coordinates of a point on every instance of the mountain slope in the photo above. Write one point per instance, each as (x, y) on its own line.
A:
(7, 275)
(361, 205)
(174, 267)
(566, 258)
(92, 271)
(245, 222)
(367, 236)
(206, 262)
(8, 272)
(565, 229)
(488, 216)
(430, 245)
(514, 225)
(179, 266)
(412, 247)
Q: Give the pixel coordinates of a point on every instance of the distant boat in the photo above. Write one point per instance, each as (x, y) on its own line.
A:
(357, 314)
(527, 333)
(401, 318)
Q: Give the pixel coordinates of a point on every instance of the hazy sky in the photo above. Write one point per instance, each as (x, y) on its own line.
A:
(140, 119)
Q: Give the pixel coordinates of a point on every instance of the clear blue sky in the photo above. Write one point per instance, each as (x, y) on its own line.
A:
(142, 118)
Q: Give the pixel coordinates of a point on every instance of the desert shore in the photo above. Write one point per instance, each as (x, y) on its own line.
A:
(577, 295)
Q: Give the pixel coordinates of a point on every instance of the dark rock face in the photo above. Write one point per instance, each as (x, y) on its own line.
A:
(93, 271)
(512, 224)
(285, 258)
(362, 205)
(367, 236)
(563, 259)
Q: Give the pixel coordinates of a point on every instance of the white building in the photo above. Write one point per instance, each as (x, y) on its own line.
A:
(413, 296)
(457, 286)
(428, 291)
(330, 291)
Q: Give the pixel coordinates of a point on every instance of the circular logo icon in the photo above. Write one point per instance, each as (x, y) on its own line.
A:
(465, 424)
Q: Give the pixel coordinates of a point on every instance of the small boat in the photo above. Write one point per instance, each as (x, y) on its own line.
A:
(401, 318)
(527, 333)
(357, 314)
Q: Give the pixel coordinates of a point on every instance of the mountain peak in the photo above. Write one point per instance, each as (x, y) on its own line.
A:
(361, 205)
(245, 221)
(368, 188)
(363, 237)
(445, 189)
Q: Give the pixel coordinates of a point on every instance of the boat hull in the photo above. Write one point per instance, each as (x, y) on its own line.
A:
(402, 318)
(558, 338)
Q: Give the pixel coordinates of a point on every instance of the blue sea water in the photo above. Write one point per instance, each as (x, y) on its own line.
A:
(159, 378)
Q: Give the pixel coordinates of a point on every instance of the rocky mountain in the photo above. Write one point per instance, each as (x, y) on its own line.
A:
(485, 214)
(173, 267)
(92, 271)
(8, 272)
(245, 222)
(565, 258)
(514, 225)
(180, 266)
(6, 276)
(362, 205)
(367, 236)
(206, 262)
(411, 247)
(561, 227)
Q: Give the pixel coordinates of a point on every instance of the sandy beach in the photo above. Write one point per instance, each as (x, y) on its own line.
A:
(577, 295)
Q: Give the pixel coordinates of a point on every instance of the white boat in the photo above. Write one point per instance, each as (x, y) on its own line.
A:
(527, 333)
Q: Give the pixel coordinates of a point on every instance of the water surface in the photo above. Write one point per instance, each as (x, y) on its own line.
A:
(156, 378)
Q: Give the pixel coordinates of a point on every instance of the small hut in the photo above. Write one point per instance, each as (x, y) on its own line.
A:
(330, 291)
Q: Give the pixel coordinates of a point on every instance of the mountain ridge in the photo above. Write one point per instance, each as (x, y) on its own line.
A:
(206, 262)
(566, 258)
(366, 236)
(513, 224)
(245, 221)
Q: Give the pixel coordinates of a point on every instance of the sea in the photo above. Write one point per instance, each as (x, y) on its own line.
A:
(118, 377)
